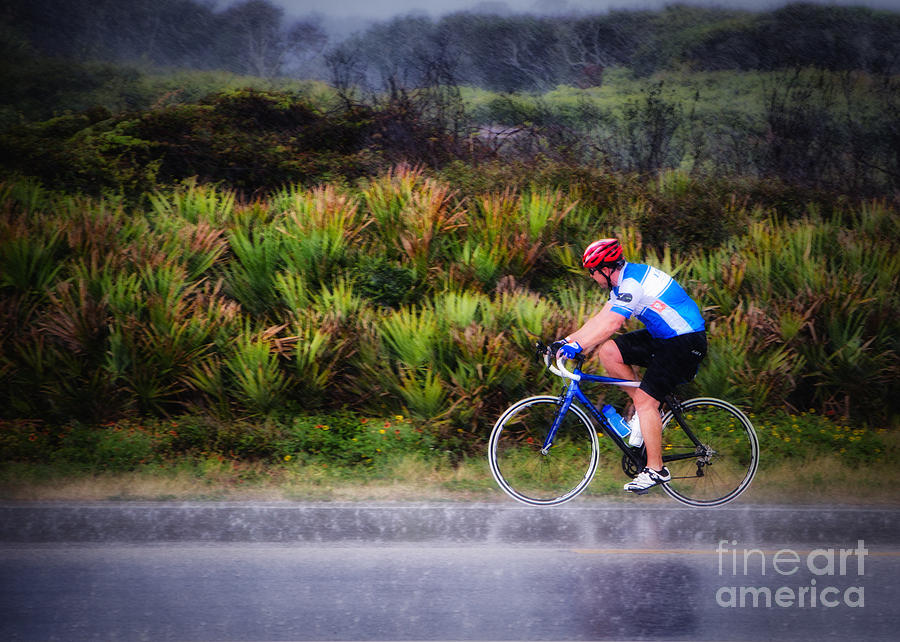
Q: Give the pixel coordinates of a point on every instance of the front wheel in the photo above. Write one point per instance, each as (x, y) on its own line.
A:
(722, 466)
(528, 472)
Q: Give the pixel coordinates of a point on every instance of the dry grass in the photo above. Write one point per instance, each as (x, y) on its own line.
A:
(826, 480)
(408, 479)
(820, 481)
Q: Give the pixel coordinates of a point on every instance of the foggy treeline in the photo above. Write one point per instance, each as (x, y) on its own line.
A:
(809, 95)
(251, 37)
(424, 165)
(495, 52)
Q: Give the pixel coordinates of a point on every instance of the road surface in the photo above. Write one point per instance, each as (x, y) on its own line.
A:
(446, 572)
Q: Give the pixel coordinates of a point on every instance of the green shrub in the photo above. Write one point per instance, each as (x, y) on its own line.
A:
(348, 439)
(111, 447)
(384, 282)
(112, 310)
(806, 435)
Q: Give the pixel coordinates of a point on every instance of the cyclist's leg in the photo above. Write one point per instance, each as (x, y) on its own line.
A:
(672, 362)
(636, 346)
(611, 358)
(647, 408)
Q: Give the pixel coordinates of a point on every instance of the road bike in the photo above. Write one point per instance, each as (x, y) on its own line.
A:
(544, 450)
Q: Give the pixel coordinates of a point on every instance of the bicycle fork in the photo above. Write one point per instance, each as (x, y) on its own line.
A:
(566, 399)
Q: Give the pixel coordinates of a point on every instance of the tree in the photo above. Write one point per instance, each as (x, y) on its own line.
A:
(306, 40)
(648, 129)
(591, 44)
(516, 53)
(253, 40)
(168, 32)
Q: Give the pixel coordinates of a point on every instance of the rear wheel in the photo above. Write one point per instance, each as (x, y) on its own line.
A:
(527, 473)
(722, 466)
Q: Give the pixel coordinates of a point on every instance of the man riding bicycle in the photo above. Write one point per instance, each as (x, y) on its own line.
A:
(670, 348)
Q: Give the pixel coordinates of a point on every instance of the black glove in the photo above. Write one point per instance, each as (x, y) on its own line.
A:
(555, 346)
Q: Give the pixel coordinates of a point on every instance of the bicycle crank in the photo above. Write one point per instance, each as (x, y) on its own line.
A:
(629, 467)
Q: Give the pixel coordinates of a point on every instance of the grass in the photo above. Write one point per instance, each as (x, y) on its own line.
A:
(819, 480)
(806, 458)
(408, 478)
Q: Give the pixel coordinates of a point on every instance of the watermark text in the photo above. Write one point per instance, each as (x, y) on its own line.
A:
(836, 574)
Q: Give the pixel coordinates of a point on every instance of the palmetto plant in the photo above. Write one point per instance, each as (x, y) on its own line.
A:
(251, 276)
(509, 233)
(411, 336)
(459, 309)
(401, 295)
(200, 247)
(429, 218)
(319, 348)
(67, 343)
(256, 380)
(413, 217)
(385, 199)
(24, 195)
(195, 203)
(341, 301)
(423, 392)
(542, 212)
(487, 369)
(530, 316)
(293, 290)
(29, 263)
(319, 227)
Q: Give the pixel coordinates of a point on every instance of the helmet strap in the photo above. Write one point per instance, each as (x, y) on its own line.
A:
(606, 276)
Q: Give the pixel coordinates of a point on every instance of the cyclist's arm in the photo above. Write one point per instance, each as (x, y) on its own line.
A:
(598, 328)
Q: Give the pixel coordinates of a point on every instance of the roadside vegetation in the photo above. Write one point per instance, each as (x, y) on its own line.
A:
(215, 284)
(201, 328)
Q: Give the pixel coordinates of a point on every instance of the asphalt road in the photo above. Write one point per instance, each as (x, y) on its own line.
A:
(446, 572)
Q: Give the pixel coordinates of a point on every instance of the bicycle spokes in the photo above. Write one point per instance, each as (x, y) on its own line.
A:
(540, 468)
(721, 464)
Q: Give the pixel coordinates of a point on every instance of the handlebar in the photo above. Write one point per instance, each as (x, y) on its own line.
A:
(559, 366)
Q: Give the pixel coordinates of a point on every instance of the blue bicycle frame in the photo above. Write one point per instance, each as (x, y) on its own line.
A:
(573, 391)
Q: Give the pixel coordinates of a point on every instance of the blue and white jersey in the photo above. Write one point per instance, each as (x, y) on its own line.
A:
(657, 300)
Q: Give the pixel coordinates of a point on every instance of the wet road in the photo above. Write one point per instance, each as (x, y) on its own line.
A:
(511, 574)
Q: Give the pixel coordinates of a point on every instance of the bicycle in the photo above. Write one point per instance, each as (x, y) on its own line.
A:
(544, 450)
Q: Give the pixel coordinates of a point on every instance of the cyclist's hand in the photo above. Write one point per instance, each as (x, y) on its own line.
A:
(566, 349)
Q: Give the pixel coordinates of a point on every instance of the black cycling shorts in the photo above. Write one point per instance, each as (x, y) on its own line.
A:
(668, 362)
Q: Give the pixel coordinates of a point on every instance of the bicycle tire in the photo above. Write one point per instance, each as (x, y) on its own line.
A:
(525, 473)
(729, 463)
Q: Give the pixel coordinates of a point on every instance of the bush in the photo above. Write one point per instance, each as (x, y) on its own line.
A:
(384, 283)
(348, 439)
(247, 139)
(784, 436)
(114, 447)
(422, 301)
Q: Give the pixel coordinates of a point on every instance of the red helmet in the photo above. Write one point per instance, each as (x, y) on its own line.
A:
(602, 253)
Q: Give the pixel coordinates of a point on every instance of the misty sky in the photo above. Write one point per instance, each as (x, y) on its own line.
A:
(375, 9)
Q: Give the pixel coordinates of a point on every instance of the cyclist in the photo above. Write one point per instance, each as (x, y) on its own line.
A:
(670, 347)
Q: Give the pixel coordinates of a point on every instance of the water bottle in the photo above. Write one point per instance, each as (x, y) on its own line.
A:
(619, 425)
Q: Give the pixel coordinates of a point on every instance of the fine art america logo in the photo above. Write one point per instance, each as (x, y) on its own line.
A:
(824, 577)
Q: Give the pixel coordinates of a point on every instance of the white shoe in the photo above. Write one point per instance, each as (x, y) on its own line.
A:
(647, 479)
(635, 438)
